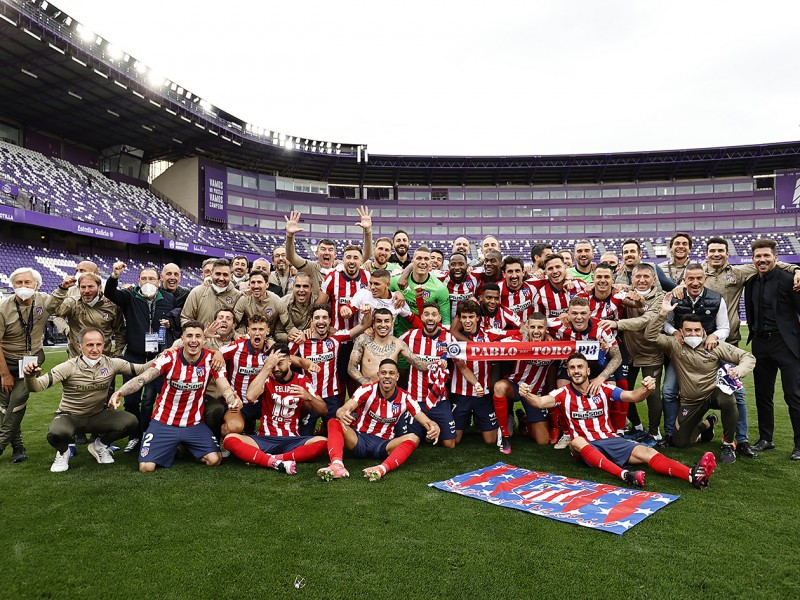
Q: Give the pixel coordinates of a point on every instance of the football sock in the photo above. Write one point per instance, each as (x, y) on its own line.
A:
(335, 440)
(595, 458)
(501, 410)
(399, 455)
(305, 453)
(248, 453)
(666, 466)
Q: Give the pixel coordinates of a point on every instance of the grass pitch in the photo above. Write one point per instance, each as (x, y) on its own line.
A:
(241, 532)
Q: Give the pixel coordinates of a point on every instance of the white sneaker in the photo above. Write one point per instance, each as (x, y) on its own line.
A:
(133, 443)
(100, 451)
(225, 452)
(562, 442)
(60, 463)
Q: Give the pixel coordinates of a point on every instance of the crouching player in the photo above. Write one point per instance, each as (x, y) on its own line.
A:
(178, 413)
(283, 395)
(372, 433)
(593, 438)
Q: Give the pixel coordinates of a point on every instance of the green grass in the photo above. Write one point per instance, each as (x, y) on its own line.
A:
(236, 531)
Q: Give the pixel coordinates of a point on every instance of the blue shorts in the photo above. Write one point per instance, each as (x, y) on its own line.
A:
(482, 408)
(251, 411)
(333, 404)
(532, 414)
(278, 444)
(160, 442)
(616, 449)
(441, 414)
(370, 446)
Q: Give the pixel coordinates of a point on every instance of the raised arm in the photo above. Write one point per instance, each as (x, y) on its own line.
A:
(293, 227)
(643, 391)
(365, 222)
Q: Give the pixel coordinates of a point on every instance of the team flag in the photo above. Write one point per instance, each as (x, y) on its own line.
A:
(594, 505)
(522, 350)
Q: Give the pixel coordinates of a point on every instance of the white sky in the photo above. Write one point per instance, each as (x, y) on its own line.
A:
(470, 78)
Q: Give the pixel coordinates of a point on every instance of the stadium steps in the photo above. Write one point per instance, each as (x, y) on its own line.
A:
(794, 242)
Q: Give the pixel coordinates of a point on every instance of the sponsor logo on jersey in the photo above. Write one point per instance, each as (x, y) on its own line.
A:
(520, 307)
(587, 414)
(249, 370)
(321, 358)
(190, 386)
(344, 300)
(381, 419)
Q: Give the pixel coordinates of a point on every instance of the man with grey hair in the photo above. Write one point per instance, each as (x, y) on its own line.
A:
(23, 318)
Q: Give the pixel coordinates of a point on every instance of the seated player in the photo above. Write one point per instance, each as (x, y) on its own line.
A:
(321, 348)
(85, 381)
(534, 374)
(178, 413)
(593, 438)
(372, 432)
(282, 394)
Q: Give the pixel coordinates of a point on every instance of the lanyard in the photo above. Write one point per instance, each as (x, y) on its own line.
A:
(27, 327)
(151, 307)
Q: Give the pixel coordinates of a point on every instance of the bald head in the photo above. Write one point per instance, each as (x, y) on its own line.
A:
(87, 266)
(170, 277)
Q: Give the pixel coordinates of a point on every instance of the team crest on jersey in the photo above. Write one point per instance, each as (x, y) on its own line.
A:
(685, 412)
(468, 284)
(396, 408)
(39, 310)
(106, 316)
(329, 344)
(441, 348)
(201, 371)
(144, 451)
(525, 292)
(104, 372)
(362, 285)
(228, 300)
(730, 278)
(269, 312)
(426, 294)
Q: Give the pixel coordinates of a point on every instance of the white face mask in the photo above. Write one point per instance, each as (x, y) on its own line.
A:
(91, 361)
(94, 300)
(24, 293)
(148, 290)
(693, 341)
(218, 289)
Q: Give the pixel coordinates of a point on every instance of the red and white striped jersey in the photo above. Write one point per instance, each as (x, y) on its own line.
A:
(325, 353)
(587, 417)
(280, 407)
(460, 291)
(605, 309)
(243, 363)
(481, 368)
(551, 302)
(180, 402)
(378, 415)
(531, 372)
(428, 349)
(340, 289)
(594, 332)
(519, 302)
(500, 320)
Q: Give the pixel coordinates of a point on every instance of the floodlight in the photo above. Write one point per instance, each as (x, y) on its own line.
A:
(113, 52)
(154, 78)
(85, 34)
(289, 145)
(140, 67)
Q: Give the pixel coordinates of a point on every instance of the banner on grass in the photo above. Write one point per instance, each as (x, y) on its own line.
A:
(594, 505)
(521, 350)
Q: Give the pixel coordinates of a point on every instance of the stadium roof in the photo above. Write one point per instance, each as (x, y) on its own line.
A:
(69, 82)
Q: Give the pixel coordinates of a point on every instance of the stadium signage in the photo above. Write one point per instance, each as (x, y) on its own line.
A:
(787, 190)
(216, 194)
(6, 214)
(95, 231)
(12, 189)
(521, 350)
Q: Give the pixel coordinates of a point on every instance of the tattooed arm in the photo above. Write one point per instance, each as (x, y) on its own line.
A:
(133, 385)
(354, 366)
(412, 358)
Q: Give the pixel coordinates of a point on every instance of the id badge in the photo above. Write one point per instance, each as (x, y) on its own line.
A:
(25, 361)
(151, 342)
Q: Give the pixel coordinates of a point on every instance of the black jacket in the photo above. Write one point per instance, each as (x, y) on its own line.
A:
(784, 305)
(137, 316)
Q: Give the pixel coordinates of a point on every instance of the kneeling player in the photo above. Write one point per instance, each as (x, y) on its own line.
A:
(372, 434)
(534, 374)
(594, 439)
(178, 412)
(282, 394)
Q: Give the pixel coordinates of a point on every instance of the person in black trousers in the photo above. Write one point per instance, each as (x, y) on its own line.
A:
(773, 308)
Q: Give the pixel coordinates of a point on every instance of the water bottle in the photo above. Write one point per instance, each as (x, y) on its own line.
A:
(162, 335)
